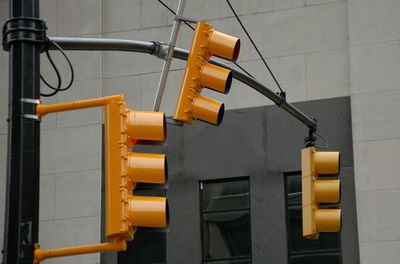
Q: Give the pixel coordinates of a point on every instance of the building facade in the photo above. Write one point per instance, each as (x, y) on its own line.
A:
(343, 53)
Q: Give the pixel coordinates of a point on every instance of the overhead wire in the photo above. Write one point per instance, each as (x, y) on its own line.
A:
(254, 45)
(190, 26)
(269, 69)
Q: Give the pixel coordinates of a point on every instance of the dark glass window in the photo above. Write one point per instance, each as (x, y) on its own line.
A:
(149, 245)
(326, 249)
(225, 213)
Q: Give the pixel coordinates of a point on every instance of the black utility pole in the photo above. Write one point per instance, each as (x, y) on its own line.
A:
(22, 37)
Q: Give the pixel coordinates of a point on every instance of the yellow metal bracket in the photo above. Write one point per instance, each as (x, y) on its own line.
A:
(42, 110)
(113, 244)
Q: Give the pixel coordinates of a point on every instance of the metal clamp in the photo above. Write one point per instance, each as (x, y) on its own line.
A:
(282, 96)
(31, 101)
(161, 49)
(182, 18)
(24, 29)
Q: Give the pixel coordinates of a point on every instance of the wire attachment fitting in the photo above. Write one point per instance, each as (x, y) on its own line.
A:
(311, 139)
(24, 29)
(282, 95)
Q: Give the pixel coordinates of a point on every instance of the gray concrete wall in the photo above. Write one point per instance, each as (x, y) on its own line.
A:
(374, 49)
(262, 143)
(316, 48)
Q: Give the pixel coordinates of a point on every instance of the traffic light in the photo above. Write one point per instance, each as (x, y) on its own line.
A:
(200, 73)
(124, 128)
(316, 191)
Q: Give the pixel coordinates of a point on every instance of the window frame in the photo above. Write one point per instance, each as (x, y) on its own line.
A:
(203, 212)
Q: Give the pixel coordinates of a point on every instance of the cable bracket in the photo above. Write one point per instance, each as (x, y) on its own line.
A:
(24, 29)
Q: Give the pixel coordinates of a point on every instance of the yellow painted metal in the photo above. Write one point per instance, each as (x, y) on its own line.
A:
(328, 220)
(224, 46)
(123, 170)
(316, 191)
(307, 191)
(147, 168)
(208, 110)
(118, 184)
(148, 211)
(327, 191)
(216, 78)
(145, 125)
(199, 73)
(112, 245)
(42, 110)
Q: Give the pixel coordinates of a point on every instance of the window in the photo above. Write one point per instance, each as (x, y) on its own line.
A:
(225, 214)
(149, 245)
(326, 249)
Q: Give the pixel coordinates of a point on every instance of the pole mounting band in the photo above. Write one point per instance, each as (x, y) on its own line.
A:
(31, 101)
(24, 29)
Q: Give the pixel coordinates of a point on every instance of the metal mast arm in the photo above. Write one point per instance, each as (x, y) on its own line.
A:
(155, 48)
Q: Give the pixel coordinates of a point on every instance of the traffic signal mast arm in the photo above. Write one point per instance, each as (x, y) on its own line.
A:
(124, 169)
(157, 48)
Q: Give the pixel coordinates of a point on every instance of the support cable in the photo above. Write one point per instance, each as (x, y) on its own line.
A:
(255, 47)
(187, 24)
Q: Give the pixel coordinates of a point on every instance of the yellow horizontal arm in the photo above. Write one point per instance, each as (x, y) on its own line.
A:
(42, 110)
(112, 245)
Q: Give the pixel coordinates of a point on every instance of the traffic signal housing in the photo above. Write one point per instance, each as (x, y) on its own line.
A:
(124, 128)
(200, 73)
(316, 191)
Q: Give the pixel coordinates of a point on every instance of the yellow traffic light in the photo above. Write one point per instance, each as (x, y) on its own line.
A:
(200, 73)
(316, 191)
(124, 169)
